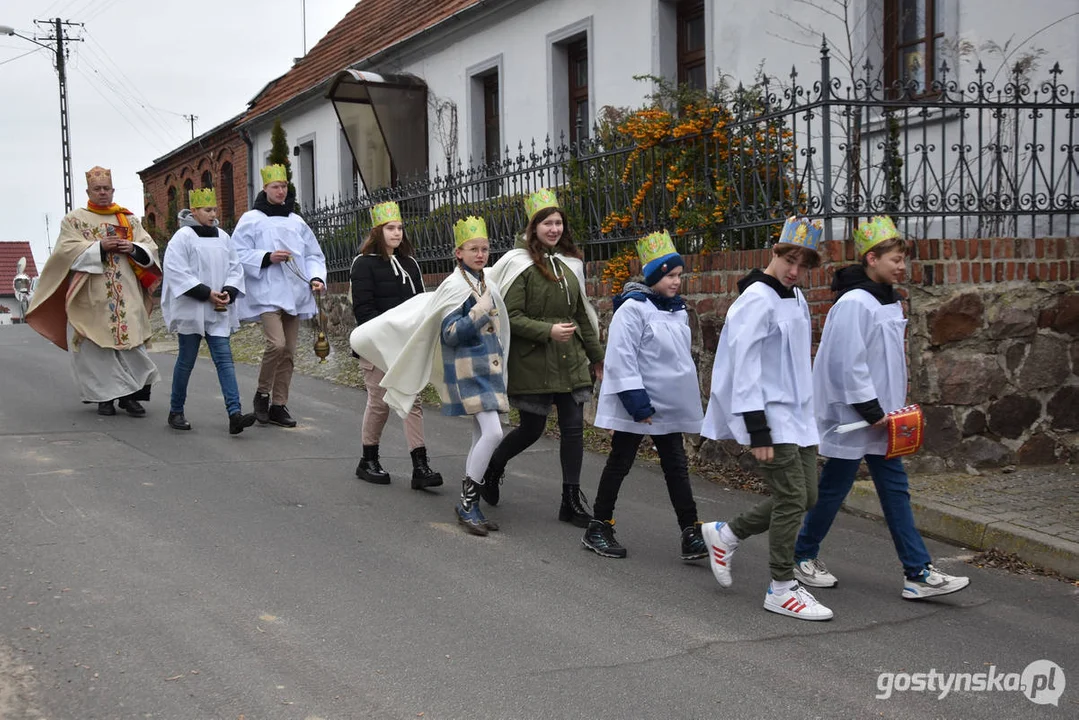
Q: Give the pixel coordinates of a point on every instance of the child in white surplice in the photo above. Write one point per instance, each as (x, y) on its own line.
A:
(860, 374)
(203, 278)
(762, 396)
(649, 387)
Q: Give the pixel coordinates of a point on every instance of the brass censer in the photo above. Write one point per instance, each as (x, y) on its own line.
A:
(322, 345)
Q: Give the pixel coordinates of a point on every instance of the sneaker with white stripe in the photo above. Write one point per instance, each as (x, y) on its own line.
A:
(814, 573)
(796, 602)
(719, 553)
(932, 582)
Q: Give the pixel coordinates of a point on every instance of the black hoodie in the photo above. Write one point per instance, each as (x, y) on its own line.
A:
(787, 293)
(854, 277)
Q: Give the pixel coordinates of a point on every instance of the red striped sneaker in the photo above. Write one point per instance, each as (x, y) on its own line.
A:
(796, 602)
(719, 553)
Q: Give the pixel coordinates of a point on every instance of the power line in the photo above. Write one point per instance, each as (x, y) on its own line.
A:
(132, 108)
(119, 112)
(31, 52)
(126, 96)
(139, 96)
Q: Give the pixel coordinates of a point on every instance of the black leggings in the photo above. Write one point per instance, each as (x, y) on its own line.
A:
(570, 427)
(672, 458)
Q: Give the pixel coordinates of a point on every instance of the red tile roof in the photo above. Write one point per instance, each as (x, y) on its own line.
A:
(369, 27)
(10, 252)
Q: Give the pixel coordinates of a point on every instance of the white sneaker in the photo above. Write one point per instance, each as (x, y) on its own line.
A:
(932, 582)
(814, 573)
(797, 603)
(719, 553)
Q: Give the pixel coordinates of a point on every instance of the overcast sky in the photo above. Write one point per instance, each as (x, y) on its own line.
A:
(142, 65)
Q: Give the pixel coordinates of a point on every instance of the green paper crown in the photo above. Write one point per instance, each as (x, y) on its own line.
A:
(803, 232)
(201, 198)
(539, 200)
(653, 246)
(384, 213)
(274, 173)
(873, 232)
(471, 228)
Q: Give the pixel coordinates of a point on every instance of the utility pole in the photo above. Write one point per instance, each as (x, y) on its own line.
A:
(59, 36)
(303, 24)
(192, 119)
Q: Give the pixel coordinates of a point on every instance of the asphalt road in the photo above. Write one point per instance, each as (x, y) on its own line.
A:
(150, 573)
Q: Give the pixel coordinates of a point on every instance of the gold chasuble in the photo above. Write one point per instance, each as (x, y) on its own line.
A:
(111, 308)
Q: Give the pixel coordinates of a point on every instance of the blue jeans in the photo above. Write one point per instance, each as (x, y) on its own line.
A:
(221, 353)
(836, 480)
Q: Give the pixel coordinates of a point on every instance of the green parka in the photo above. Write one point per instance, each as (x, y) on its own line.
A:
(537, 364)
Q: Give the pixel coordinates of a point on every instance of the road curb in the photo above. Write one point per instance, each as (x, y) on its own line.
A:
(975, 531)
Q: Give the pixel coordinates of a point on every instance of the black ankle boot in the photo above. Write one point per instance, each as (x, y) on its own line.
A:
(573, 506)
(422, 474)
(177, 421)
(262, 407)
(238, 421)
(369, 468)
(468, 509)
(490, 491)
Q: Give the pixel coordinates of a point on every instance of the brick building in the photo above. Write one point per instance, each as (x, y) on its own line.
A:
(217, 159)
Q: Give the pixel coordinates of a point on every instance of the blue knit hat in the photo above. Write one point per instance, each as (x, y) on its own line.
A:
(658, 256)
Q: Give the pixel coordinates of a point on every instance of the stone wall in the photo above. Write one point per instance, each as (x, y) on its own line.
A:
(993, 342)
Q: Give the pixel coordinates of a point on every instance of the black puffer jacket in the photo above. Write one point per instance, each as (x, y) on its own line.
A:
(377, 285)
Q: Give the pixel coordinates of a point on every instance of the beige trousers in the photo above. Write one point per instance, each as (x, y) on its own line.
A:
(377, 411)
(275, 374)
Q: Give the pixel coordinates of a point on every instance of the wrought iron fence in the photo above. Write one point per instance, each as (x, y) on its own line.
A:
(967, 159)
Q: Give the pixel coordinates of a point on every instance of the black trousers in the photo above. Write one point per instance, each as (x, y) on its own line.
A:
(672, 458)
(570, 428)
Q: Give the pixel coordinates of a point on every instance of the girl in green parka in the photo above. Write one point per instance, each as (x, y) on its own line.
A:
(554, 353)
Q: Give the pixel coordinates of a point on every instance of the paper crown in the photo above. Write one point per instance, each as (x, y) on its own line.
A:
(873, 232)
(655, 246)
(801, 231)
(201, 198)
(274, 173)
(471, 228)
(384, 213)
(539, 200)
(98, 173)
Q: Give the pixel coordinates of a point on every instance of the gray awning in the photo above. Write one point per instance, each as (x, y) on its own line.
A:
(385, 121)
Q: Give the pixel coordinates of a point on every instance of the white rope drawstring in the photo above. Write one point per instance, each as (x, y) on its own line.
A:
(561, 278)
(400, 272)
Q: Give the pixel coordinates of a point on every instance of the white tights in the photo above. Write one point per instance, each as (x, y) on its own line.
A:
(486, 435)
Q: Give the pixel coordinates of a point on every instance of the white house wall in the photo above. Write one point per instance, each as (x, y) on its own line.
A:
(633, 37)
(314, 121)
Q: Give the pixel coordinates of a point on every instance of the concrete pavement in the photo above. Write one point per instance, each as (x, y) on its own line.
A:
(146, 572)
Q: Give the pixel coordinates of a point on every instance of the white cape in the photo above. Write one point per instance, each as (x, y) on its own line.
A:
(406, 342)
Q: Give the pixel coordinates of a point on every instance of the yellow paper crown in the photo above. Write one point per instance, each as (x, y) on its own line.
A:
(274, 173)
(471, 228)
(384, 213)
(656, 245)
(803, 232)
(873, 232)
(538, 200)
(98, 173)
(201, 198)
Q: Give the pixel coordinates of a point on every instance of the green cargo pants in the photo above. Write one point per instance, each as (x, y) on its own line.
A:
(792, 478)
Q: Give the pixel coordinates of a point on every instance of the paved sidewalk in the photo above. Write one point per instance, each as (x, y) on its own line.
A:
(1032, 512)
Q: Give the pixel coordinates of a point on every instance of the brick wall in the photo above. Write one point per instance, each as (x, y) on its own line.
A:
(993, 340)
(210, 152)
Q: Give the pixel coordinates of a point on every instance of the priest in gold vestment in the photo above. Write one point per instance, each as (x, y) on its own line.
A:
(93, 299)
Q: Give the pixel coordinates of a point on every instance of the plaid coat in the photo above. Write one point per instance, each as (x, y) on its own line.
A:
(473, 362)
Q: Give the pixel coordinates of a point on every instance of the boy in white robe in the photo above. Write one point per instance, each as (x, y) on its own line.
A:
(860, 374)
(649, 387)
(762, 396)
(203, 278)
(284, 267)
